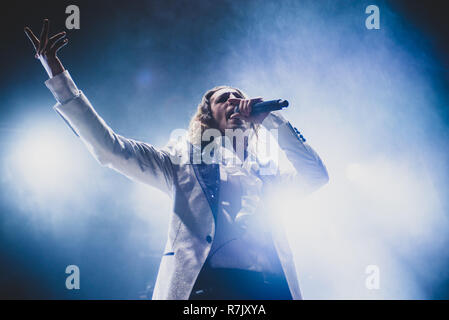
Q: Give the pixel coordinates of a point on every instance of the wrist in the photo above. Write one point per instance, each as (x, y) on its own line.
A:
(53, 66)
(56, 67)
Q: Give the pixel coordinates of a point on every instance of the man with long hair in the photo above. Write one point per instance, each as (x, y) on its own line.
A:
(221, 243)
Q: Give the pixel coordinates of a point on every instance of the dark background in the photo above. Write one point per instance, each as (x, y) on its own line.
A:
(184, 44)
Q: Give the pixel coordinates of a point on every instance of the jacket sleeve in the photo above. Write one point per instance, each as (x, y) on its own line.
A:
(307, 171)
(136, 160)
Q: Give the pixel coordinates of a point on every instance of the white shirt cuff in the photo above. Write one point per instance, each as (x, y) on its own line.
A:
(62, 87)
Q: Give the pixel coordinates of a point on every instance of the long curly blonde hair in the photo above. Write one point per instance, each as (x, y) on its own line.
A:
(203, 119)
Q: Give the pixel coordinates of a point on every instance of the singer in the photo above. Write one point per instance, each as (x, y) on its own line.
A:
(222, 244)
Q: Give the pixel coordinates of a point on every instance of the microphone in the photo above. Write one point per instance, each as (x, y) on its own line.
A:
(267, 106)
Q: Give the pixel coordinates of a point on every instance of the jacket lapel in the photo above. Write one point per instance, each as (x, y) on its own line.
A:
(208, 176)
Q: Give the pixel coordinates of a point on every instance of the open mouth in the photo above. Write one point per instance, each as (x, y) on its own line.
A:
(231, 115)
(235, 116)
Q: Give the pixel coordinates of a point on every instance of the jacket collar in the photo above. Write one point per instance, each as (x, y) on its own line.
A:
(208, 176)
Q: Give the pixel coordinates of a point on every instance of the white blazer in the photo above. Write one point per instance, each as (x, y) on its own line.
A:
(193, 187)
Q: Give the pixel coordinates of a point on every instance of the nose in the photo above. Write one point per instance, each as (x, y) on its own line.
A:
(232, 96)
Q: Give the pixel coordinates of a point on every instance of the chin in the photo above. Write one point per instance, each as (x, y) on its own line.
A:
(243, 128)
(233, 126)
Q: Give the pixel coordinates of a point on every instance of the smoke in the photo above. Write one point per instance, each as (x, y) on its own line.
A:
(365, 100)
(368, 101)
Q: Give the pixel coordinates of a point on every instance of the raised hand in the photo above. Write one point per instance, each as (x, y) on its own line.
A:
(47, 48)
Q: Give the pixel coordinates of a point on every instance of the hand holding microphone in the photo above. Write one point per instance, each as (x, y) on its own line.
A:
(256, 110)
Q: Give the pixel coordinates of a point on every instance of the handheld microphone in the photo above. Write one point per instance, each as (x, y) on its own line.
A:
(267, 106)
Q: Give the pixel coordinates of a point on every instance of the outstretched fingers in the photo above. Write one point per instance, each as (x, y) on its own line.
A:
(58, 45)
(34, 40)
(46, 45)
(44, 37)
(55, 39)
